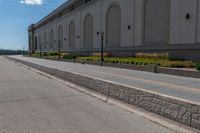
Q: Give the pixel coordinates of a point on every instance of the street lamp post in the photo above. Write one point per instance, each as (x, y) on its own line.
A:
(102, 48)
(59, 49)
(23, 51)
(40, 50)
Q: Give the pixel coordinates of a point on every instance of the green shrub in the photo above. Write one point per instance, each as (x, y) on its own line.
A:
(141, 63)
(160, 60)
(54, 53)
(127, 62)
(44, 54)
(71, 56)
(158, 64)
(178, 64)
(198, 65)
(132, 62)
(145, 64)
(36, 54)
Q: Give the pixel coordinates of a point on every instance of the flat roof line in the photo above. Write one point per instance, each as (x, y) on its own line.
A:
(60, 8)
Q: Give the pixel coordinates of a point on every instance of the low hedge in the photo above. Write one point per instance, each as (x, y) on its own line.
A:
(198, 65)
(53, 53)
(57, 54)
(38, 54)
(71, 56)
(163, 62)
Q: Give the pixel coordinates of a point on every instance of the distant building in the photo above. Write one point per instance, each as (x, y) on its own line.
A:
(129, 26)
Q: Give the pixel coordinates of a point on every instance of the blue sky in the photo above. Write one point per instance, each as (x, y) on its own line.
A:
(17, 15)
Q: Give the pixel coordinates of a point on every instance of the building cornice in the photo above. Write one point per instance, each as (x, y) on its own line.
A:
(62, 10)
(56, 11)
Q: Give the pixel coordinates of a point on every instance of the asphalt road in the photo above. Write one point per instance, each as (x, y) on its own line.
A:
(181, 87)
(35, 103)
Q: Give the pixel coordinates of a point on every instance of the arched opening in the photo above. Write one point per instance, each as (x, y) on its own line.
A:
(113, 26)
(88, 32)
(45, 41)
(51, 40)
(72, 34)
(156, 21)
(60, 38)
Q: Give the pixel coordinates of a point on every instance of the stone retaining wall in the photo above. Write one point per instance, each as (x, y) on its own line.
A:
(178, 110)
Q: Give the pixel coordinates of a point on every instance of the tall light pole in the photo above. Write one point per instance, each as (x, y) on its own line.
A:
(23, 51)
(102, 48)
(102, 36)
(59, 49)
(40, 50)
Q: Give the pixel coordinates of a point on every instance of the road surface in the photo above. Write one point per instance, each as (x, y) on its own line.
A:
(35, 103)
(180, 87)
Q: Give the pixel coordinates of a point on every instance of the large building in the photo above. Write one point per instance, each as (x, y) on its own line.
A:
(129, 27)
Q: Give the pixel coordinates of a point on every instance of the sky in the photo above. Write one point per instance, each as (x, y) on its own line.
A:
(17, 15)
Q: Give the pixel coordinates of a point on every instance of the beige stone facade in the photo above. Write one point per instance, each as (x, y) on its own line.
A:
(129, 26)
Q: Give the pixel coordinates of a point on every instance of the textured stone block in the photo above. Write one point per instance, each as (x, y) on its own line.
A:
(174, 106)
(195, 124)
(193, 109)
(174, 114)
(196, 117)
(186, 119)
(100, 86)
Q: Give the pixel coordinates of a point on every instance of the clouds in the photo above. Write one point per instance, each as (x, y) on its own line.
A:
(32, 2)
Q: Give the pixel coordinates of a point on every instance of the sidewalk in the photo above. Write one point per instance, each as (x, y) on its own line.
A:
(180, 87)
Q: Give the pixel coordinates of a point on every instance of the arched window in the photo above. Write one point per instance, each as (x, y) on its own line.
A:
(113, 26)
(88, 32)
(52, 39)
(156, 21)
(60, 37)
(72, 34)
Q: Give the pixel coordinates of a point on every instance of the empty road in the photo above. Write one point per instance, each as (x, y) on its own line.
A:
(35, 103)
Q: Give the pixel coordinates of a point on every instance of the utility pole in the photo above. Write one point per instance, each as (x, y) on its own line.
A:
(102, 48)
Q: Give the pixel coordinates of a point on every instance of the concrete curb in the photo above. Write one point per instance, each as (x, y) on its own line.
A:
(179, 110)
